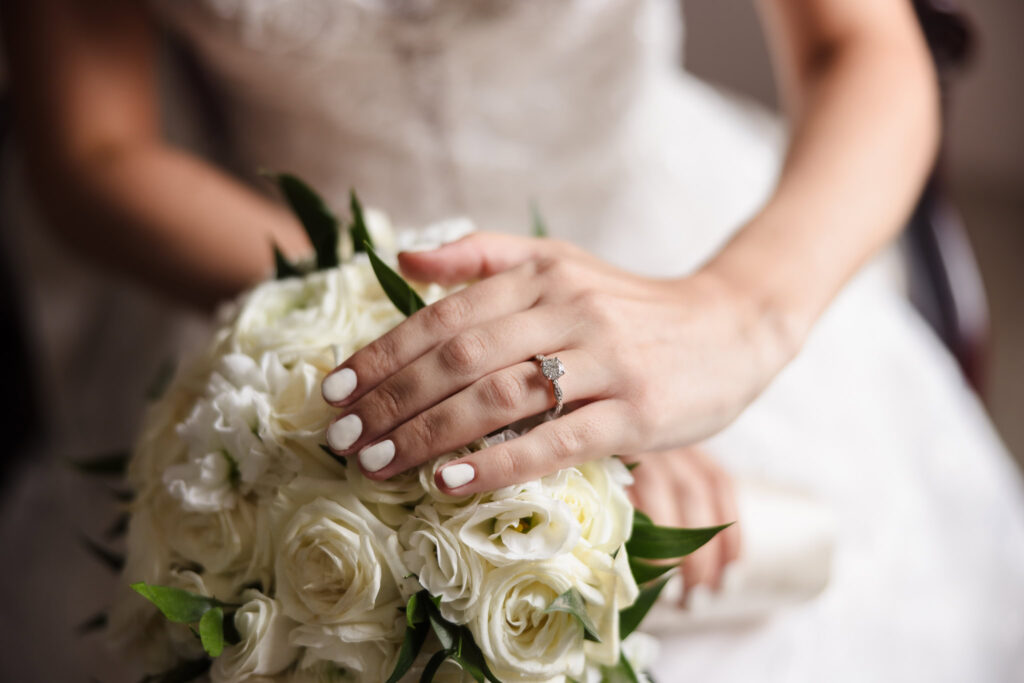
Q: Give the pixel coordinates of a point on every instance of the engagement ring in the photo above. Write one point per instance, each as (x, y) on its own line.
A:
(552, 368)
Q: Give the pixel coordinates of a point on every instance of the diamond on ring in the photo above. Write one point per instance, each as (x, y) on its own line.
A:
(552, 369)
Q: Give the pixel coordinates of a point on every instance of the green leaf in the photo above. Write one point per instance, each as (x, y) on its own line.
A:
(641, 518)
(653, 542)
(433, 664)
(183, 673)
(447, 633)
(471, 659)
(283, 268)
(572, 603)
(180, 606)
(415, 610)
(631, 617)
(111, 559)
(211, 631)
(106, 465)
(320, 224)
(411, 646)
(94, 623)
(630, 466)
(540, 228)
(360, 235)
(398, 290)
(622, 672)
(161, 380)
(645, 571)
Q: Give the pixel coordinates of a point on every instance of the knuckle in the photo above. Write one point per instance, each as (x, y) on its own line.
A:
(378, 356)
(596, 307)
(506, 465)
(388, 401)
(564, 443)
(505, 391)
(641, 409)
(558, 271)
(448, 314)
(429, 428)
(463, 353)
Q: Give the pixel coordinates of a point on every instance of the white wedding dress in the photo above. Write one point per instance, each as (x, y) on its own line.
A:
(434, 108)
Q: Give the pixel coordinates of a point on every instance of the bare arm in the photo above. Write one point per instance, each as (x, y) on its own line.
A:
(861, 94)
(86, 112)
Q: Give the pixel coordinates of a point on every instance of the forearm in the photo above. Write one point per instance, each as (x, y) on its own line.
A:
(165, 218)
(82, 77)
(864, 136)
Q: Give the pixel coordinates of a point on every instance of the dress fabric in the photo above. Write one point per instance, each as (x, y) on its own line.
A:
(435, 108)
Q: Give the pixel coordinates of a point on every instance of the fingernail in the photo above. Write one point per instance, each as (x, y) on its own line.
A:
(337, 386)
(377, 456)
(344, 432)
(458, 475)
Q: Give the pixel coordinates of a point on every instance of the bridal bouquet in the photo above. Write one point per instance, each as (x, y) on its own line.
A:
(264, 557)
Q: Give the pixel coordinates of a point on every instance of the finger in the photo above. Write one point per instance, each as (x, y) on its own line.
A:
(492, 402)
(596, 430)
(475, 256)
(508, 293)
(654, 494)
(727, 511)
(448, 368)
(696, 511)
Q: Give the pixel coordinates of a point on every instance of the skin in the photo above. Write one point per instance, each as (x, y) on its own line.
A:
(862, 101)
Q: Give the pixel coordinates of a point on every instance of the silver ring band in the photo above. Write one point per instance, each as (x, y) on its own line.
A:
(552, 369)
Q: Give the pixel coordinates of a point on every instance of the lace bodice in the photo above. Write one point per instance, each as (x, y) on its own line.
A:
(450, 106)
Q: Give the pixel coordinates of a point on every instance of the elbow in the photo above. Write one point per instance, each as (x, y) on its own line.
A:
(68, 185)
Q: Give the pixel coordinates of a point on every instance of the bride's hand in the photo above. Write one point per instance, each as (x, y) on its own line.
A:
(649, 364)
(683, 487)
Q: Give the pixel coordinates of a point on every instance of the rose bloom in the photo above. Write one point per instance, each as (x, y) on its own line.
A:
(336, 562)
(264, 648)
(520, 639)
(444, 565)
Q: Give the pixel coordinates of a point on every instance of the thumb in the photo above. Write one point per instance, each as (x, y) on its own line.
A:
(473, 257)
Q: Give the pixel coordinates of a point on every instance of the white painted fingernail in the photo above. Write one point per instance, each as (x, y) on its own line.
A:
(344, 432)
(337, 386)
(455, 476)
(377, 456)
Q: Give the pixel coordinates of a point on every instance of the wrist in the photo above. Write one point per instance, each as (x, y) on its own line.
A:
(775, 322)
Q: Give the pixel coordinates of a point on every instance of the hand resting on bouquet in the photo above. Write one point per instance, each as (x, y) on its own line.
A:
(649, 363)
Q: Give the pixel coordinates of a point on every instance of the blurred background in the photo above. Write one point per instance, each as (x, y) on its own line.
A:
(983, 164)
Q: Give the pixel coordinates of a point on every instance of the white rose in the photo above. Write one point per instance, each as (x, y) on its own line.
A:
(337, 564)
(343, 306)
(362, 657)
(263, 648)
(522, 523)
(224, 543)
(607, 587)
(325, 672)
(519, 639)
(445, 567)
(595, 491)
(402, 489)
(297, 406)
